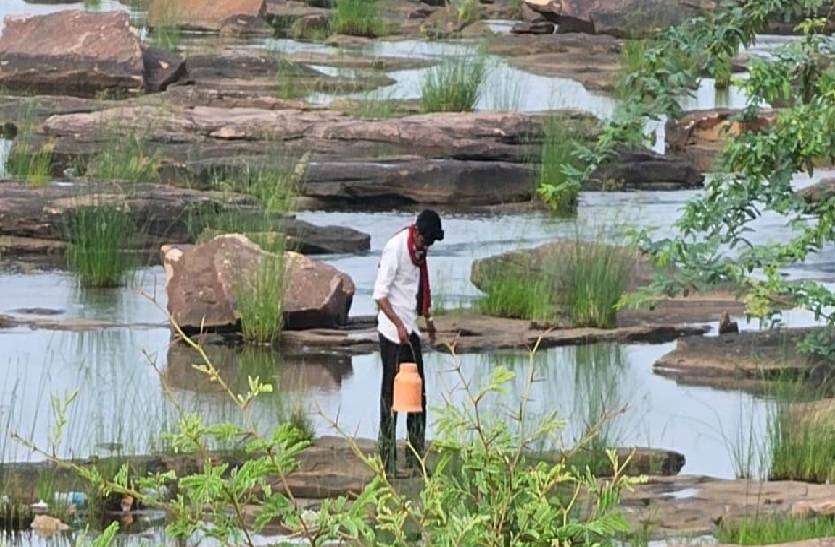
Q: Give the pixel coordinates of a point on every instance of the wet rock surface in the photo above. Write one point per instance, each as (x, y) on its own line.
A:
(592, 60)
(202, 282)
(86, 53)
(33, 219)
(690, 506)
(623, 18)
(747, 360)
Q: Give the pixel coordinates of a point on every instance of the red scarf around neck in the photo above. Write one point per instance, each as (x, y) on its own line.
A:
(424, 296)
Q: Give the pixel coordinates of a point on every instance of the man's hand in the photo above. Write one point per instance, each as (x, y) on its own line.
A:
(402, 333)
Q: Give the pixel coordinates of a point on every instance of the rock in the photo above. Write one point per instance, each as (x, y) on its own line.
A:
(690, 506)
(46, 525)
(621, 18)
(310, 25)
(747, 360)
(73, 52)
(642, 461)
(811, 509)
(201, 282)
(646, 170)
(203, 14)
(246, 25)
(592, 60)
(819, 192)
(161, 68)
(726, 326)
(533, 27)
(700, 135)
(165, 213)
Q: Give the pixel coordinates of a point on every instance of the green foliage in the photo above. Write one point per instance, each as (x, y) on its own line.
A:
(97, 236)
(482, 488)
(557, 162)
(273, 183)
(287, 78)
(518, 296)
(455, 85)
(819, 343)
(125, 157)
(774, 529)
(357, 18)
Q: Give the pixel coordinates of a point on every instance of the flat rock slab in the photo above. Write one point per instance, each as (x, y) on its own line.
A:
(476, 333)
(203, 14)
(592, 60)
(690, 506)
(81, 53)
(746, 360)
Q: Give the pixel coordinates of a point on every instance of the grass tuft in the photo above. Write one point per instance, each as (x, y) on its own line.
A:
(801, 438)
(769, 530)
(509, 295)
(125, 158)
(455, 85)
(166, 32)
(357, 18)
(27, 160)
(97, 235)
(259, 301)
(557, 160)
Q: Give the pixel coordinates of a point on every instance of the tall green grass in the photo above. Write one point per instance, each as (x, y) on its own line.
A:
(593, 277)
(556, 162)
(518, 297)
(124, 157)
(801, 440)
(29, 160)
(287, 80)
(260, 300)
(455, 85)
(774, 529)
(357, 18)
(97, 237)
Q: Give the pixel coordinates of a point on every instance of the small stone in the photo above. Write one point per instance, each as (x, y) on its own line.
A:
(726, 326)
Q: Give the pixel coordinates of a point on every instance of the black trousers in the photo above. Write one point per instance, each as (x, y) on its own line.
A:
(392, 355)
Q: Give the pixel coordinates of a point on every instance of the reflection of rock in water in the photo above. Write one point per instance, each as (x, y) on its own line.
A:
(290, 371)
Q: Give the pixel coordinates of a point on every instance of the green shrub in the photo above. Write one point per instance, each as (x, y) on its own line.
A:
(557, 161)
(468, 11)
(455, 85)
(357, 18)
(97, 237)
(30, 163)
(774, 529)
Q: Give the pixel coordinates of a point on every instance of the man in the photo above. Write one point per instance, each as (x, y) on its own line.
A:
(402, 293)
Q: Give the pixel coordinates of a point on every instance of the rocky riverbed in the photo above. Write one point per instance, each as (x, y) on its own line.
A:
(251, 83)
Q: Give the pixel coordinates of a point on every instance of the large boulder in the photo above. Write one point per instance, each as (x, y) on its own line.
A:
(204, 14)
(201, 281)
(622, 18)
(646, 170)
(80, 53)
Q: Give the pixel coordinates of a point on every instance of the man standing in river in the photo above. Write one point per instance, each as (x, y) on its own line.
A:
(402, 293)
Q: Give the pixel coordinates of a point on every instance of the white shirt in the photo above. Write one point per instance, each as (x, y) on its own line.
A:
(398, 280)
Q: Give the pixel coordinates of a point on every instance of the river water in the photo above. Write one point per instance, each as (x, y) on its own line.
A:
(119, 373)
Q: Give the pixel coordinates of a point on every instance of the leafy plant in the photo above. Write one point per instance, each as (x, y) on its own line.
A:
(357, 18)
(455, 85)
(774, 529)
(557, 162)
(97, 235)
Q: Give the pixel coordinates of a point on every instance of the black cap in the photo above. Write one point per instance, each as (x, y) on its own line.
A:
(429, 225)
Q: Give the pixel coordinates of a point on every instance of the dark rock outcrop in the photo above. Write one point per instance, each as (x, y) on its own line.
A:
(533, 27)
(646, 170)
(622, 18)
(202, 280)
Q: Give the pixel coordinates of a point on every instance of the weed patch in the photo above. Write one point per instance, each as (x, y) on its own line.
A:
(455, 85)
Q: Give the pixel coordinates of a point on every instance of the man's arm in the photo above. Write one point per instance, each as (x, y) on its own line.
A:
(385, 307)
